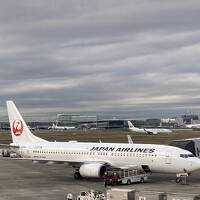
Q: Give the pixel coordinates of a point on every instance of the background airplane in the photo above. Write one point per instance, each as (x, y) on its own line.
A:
(147, 130)
(56, 127)
(192, 125)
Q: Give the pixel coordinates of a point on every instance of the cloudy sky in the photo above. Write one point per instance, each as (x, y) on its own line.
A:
(100, 56)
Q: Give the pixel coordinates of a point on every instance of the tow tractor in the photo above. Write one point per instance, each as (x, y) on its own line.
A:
(125, 177)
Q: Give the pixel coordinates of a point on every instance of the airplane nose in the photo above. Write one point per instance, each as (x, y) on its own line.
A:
(195, 162)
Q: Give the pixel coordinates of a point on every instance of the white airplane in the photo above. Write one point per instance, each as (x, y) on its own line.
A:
(192, 125)
(93, 159)
(148, 130)
(56, 127)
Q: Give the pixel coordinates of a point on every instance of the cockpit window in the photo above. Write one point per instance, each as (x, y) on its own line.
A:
(183, 155)
(186, 155)
(191, 155)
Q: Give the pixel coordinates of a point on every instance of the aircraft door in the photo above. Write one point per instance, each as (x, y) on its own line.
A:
(168, 157)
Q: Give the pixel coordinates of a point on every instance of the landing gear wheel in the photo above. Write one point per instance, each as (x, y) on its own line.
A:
(128, 182)
(142, 180)
(178, 180)
(77, 175)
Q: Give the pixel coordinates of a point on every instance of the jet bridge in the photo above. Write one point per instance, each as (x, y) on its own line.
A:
(192, 145)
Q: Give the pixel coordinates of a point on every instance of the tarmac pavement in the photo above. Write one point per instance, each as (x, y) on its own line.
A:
(23, 180)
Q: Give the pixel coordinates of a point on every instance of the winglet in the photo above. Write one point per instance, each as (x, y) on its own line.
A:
(130, 141)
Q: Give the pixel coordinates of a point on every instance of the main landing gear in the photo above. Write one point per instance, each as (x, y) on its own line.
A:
(182, 178)
(77, 175)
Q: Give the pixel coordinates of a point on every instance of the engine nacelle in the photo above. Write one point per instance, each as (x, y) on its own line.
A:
(92, 170)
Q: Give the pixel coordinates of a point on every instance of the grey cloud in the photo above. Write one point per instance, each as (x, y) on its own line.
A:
(100, 55)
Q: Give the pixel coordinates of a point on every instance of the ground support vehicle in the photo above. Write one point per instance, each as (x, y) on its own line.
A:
(91, 195)
(125, 177)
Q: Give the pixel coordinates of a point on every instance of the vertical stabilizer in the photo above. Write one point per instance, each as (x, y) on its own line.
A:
(19, 129)
(130, 125)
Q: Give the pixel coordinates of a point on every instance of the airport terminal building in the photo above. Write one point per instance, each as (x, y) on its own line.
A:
(89, 121)
(75, 119)
(81, 121)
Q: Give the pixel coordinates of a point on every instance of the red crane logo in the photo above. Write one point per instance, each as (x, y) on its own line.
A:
(17, 127)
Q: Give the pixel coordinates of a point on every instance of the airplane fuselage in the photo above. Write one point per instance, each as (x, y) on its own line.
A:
(158, 158)
(148, 130)
(192, 125)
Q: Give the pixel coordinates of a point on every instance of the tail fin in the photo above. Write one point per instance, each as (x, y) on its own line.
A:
(130, 125)
(20, 131)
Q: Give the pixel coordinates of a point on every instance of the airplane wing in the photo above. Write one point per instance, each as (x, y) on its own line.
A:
(4, 145)
(8, 146)
(128, 167)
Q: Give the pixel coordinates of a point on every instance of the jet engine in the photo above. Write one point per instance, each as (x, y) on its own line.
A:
(92, 170)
